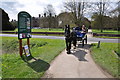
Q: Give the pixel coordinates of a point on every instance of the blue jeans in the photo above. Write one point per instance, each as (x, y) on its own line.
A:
(79, 34)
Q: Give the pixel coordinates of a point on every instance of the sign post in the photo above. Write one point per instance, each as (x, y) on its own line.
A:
(28, 42)
(24, 29)
(20, 46)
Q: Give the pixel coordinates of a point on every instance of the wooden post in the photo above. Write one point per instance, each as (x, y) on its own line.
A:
(28, 43)
(98, 44)
(20, 47)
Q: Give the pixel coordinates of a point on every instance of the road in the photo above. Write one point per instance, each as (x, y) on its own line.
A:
(90, 39)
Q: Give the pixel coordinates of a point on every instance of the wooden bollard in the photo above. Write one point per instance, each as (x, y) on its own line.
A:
(98, 46)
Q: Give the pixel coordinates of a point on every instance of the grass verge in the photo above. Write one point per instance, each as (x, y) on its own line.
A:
(49, 35)
(47, 30)
(44, 50)
(106, 57)
(41, 30)
(105, 31)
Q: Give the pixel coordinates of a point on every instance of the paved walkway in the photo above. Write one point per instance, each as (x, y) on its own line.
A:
(79, 64)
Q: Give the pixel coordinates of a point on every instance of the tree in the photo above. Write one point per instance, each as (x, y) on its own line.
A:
(6, 25)
(95, 21)
(14, 23)
(65, 18)
(49, 12)
(119, 16)
(109, 22)
(77, 9)
(115, 14)
(101, 10)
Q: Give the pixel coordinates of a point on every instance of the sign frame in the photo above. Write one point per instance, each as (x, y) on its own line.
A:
(24, 29)
(24, 25)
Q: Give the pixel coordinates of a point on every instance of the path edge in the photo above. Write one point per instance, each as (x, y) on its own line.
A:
(102, 69)
(46, 75)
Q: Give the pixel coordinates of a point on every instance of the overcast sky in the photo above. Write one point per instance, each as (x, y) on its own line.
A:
(34, 7)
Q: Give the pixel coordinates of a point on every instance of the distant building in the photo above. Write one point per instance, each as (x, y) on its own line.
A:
(55, 21)
(45, 21)
(35, 21)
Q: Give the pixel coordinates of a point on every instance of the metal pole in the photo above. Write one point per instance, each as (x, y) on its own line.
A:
(20, 47)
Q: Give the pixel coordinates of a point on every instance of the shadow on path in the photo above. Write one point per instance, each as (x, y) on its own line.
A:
(37, 65)
(80, 52)
(80, 55)
(86, 46)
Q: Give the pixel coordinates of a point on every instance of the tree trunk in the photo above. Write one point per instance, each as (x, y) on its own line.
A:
(101, 30)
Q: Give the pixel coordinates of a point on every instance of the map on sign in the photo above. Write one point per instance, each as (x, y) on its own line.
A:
(24, 25)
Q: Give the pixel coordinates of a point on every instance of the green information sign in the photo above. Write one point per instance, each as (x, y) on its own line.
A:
(24, 25)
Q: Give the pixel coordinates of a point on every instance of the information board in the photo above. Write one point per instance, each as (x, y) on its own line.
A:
(24, 25)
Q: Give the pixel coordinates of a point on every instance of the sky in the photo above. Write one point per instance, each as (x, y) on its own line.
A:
(33, 7)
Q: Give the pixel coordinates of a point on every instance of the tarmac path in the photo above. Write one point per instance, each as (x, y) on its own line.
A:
(79, 64)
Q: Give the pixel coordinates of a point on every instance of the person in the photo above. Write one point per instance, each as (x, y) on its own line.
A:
(84, 30)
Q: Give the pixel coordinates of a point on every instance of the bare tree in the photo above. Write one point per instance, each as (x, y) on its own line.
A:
(101, 8)
(50, 12)
(77, 9)
(119, 16)
(116, 14)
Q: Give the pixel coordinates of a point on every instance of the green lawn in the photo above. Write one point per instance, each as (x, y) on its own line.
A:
(105, 31)
(106, 37)
(44, 50)
(0, 57)
(47, 30)
(106, 58)
(41, 30)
